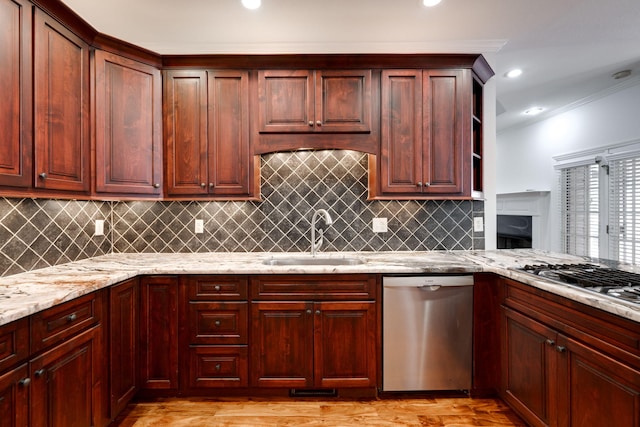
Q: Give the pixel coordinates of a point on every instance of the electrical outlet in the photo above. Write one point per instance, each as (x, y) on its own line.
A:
(99, 228)
(379, 225)
(199, 226)
(478, 224)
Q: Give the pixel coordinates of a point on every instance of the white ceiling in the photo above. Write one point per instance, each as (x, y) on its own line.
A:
(568, 49)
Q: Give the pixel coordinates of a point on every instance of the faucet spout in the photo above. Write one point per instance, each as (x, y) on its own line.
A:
(316, 244)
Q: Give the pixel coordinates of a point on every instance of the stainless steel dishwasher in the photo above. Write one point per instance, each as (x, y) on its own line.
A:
(427, 332)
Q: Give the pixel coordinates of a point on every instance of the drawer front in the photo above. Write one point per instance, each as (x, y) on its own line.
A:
(217, 288)
(59, 323)
(14, 343)
(314, 287)
(213, 367)
(218, 322)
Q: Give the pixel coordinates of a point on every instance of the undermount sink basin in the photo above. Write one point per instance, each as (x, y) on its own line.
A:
(318, 260)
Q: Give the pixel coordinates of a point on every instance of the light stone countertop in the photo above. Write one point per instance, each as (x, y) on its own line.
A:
(27, 293)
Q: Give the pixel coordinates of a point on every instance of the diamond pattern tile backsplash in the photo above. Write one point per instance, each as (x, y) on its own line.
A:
(40, 233)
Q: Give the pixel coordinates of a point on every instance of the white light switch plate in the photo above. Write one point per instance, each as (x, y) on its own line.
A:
(379, 225)
(199, 226)
(478, 224)
(99, 229)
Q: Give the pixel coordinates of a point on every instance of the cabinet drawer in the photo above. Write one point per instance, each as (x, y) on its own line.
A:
(218, 322)
(14, 343)
(59, 323)
(211, 367)
(207, 288)
(314, 287)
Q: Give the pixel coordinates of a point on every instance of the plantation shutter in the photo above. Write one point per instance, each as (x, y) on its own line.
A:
(580, 209)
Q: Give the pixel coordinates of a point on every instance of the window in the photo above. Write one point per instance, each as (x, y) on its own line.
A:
(600, 207)
(624, 206)
(580, 210)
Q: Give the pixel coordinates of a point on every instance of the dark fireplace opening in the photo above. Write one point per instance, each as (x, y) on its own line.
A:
(514, 231)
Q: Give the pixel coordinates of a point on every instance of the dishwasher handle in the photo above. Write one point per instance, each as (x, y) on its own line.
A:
(430, 288)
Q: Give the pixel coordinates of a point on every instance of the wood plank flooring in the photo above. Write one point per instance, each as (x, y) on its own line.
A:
(201, 412)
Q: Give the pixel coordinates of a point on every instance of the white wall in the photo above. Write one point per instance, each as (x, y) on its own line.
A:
(489, 157)
(524, 155)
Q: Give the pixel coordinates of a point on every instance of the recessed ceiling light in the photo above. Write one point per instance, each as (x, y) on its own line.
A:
(534, 111)
(430, 3)
(621, 74)
(251, 4)
(512, 74)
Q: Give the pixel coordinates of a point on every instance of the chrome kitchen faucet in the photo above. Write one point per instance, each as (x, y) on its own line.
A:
(316, 244)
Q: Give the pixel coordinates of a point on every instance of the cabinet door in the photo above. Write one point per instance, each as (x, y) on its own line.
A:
(282, 344)
(185, 121)
(286, 101)
(16, 139)
(123, 339)
(61, 93)
(14, 397)
(343, 101)
(229, 145)
(401, 134)
(596, 390)
(345, 344)
(128, 111)
(529, 368)
(159, 333)
(64, 389)
(447, 131)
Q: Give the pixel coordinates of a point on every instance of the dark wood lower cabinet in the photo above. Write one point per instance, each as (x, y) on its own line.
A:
(159, 333)
(123, 343)
(594, 389)
(66, 386)
(14, 397)
(326, 341)
(568, 365)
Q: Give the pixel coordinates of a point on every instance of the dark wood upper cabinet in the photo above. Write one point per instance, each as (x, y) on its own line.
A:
(208, 148)
(229, 144)
(128, 122)
(425, 149)
(61, 96)
(16, 140)
(302, 101)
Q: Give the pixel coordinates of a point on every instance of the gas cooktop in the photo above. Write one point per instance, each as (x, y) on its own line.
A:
(603, 280)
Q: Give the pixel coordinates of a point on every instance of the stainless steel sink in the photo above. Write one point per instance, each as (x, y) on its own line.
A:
(318, 260)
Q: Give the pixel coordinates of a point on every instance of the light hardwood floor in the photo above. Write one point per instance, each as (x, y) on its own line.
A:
(192, 412)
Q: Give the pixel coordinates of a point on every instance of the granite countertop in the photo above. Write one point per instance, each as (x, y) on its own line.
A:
(27, 293)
